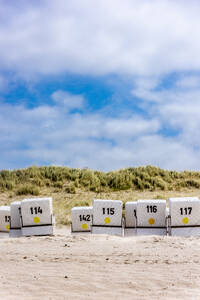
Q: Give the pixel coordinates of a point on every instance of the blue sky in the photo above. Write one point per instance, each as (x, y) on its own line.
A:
(100, 84)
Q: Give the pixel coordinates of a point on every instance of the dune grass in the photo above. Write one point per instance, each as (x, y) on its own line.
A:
(73, 187)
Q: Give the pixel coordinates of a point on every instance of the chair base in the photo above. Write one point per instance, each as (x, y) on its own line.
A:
(80, 232)
(15, 233)
(4, 234)
(151, 231)
(130, 232)
(107, 230)
(38, 230)
(185, 231)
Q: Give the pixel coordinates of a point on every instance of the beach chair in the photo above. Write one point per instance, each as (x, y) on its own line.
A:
(4, 218)
(107, 217)
(151, 217)
(81, 219)
(37, 216)
(184, 216)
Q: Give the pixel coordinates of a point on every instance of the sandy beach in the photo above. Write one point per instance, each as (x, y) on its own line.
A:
(99, 267)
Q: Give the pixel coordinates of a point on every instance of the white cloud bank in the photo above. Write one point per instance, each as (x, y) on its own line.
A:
(99, 37)
(140, 40)
(52, 135)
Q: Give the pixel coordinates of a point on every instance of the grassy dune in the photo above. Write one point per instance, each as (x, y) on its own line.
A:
(73, 187)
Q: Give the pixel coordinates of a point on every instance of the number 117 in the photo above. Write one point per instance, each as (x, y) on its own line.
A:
(186, 210)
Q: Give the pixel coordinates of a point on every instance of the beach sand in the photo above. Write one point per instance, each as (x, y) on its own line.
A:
(99, 267)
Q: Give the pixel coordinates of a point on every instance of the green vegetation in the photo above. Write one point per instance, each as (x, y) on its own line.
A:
(73, 187)
(30, 180)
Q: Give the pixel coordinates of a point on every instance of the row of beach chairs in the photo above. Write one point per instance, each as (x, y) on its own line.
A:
(142, 217)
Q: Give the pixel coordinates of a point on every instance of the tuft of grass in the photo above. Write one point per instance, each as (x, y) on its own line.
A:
(70, 189)
(28, 190)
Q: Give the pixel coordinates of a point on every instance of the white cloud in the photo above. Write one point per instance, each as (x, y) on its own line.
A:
(144, 88)
(177, 108)
(129, 128)
(99, 37)
(68, 101)
(191, 82)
